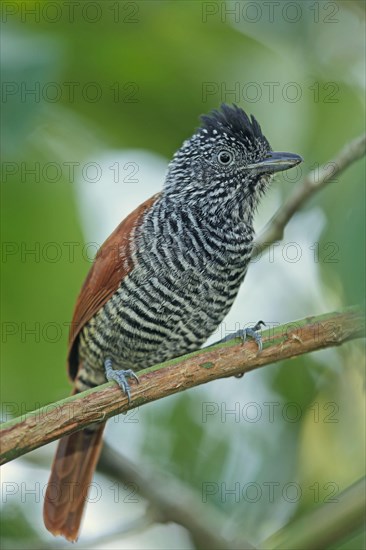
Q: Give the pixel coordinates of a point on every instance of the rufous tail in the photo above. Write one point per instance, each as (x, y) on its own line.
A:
(72, 471)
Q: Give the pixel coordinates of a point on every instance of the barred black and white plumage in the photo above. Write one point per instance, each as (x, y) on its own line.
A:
(163, 281)
(190, 253)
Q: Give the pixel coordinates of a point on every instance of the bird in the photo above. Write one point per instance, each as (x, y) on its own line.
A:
(163, 281)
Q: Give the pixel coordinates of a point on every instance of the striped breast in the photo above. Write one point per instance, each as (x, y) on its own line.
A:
(185, 276)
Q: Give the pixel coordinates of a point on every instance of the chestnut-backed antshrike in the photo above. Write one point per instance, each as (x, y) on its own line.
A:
(163, 281)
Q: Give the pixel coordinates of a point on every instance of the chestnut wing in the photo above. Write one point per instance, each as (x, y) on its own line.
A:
(112, 263)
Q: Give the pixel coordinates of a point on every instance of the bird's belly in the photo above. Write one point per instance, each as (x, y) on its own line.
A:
(157, 317)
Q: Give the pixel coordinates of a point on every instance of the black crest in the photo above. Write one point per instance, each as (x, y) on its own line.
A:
(234, 122)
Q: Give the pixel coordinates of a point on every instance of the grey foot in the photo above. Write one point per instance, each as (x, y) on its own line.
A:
(120, 376)
(243, 333)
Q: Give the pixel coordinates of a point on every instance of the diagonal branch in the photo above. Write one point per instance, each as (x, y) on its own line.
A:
(204, 522)
(23, 434)
(321, 527)
(312, 183)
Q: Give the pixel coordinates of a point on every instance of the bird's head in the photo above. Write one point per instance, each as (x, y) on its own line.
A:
(227, 164)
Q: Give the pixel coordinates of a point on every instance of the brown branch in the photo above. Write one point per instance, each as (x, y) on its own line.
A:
(44, 425)
(312, 183)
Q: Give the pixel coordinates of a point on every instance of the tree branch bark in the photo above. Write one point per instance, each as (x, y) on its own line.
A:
(312, 183)
(23, 434)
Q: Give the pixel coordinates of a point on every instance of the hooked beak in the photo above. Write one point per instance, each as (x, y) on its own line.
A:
(275, 162)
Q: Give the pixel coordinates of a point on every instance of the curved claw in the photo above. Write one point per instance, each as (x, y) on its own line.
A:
(120, 376)
(252, 332)
(258, 325)
(131, 374)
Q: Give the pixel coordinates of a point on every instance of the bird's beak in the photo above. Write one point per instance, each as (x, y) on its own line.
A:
(275, 162)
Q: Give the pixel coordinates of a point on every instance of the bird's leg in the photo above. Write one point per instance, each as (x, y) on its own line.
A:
(243, 333)
(120, 376)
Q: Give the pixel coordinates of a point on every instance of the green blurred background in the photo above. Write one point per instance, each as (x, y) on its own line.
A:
(123, 84)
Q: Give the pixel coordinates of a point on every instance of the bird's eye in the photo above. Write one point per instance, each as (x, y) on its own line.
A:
(225, 157)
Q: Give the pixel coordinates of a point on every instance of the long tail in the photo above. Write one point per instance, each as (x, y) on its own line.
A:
(72, 471)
